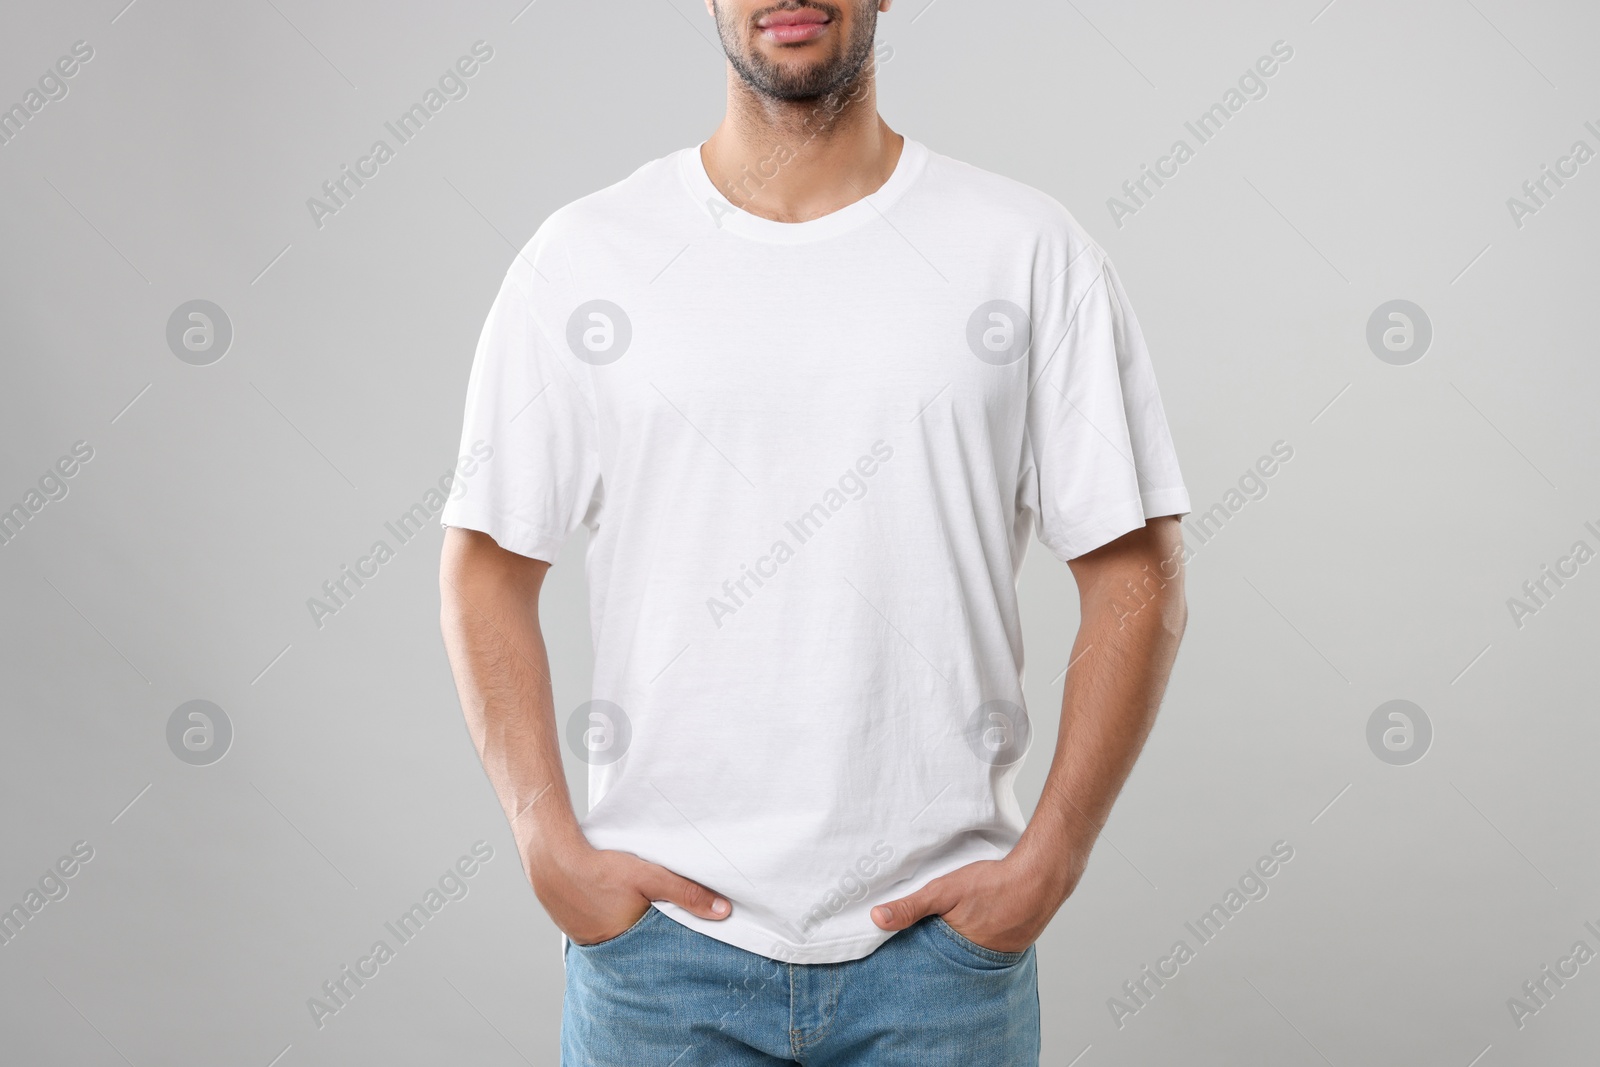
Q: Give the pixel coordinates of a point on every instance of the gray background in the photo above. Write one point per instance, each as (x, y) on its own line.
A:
(1418, 500)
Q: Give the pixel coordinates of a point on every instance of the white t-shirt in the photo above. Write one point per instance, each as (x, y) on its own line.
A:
(810, 456)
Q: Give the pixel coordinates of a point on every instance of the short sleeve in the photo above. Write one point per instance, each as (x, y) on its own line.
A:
(530, 413)
(1099, 456)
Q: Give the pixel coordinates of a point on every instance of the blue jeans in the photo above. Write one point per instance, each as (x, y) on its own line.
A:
(662, 995)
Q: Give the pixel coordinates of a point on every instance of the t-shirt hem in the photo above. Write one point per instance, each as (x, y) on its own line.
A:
(754, 939)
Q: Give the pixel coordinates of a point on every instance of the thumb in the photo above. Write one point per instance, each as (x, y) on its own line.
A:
(662, 884)
(935, 898)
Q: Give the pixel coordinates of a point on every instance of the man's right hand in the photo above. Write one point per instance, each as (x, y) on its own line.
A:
(489, 615)
(594, 894)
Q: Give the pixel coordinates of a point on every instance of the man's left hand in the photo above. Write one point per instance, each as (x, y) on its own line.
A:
(1002, 905)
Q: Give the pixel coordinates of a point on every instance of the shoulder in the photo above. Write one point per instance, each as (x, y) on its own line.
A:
(587, 228)
(982, 201)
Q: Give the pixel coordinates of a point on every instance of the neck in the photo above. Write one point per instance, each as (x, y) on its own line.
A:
(791, 161)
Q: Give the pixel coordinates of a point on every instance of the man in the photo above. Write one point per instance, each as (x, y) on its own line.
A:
(811, 387)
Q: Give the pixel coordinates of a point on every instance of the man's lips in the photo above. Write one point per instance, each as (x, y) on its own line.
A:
(789, 27)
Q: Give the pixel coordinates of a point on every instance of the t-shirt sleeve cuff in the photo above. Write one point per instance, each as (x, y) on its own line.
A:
(1090, 536)
(507, 532)
(1160, 502)
(1113, 524)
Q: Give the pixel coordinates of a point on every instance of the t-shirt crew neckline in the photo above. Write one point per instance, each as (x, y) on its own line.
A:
(733, 219)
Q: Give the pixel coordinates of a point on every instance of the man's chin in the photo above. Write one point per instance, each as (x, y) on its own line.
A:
(800, 85)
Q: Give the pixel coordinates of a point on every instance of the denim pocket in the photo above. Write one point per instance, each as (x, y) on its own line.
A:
(991, 956)
(608, 942)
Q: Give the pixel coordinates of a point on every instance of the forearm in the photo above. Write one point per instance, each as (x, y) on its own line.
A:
(1119, 668)
(490, 623)
(1121, 661)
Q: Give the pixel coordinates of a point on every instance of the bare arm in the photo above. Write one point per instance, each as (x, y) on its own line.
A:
(489, 615)
(1127, 642)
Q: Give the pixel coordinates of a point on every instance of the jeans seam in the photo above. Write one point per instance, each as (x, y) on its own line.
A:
(836, 974)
